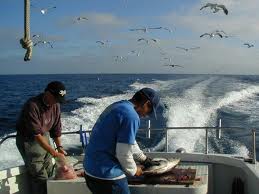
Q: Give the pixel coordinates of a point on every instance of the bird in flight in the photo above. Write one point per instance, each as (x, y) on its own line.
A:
(215, 7)
(139, 29)
(212, 34)
(249, 45)
(134, 52)
(120, 58)
(78, 19)
(148, 40)
(171, 65)
(169, 59)
(102, 42)
(168, 29)
(223, 33)
(146, 29)
(187, 49)
(45, 10)
(43, 42)
(35, 36)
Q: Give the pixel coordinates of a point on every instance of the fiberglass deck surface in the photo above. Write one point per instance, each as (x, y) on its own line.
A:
(200, 186)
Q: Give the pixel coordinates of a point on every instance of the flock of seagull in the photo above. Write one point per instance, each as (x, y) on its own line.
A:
(217, 33)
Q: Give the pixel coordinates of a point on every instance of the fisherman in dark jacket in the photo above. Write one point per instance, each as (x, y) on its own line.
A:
(39, 119)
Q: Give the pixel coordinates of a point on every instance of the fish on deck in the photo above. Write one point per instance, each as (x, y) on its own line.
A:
(163, 165)
(164, 172)
(65, 170)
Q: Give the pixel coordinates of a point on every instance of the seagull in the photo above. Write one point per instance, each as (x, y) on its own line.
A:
(102, 42)
(155, 28)
(163, 53)
(160, 28)
(121, 58)
(187, 49)
(223, 7)
(169, 59)
(145, 29)
(212, 34)
(43, 42)
(220, 31)
(78, 19)
(134, 52)
(215, 7)
(249, 45)
(171, 65)
(168, 29)
(147, 40)
(36, 36)
(223, 33)
(139, 29)
(45, 10)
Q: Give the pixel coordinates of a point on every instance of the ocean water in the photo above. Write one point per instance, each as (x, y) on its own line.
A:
(190, 101)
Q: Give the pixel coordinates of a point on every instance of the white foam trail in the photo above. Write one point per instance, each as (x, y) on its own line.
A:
(10, 155)
(192, 109)
(187, 111)
(92, 108)
(137, 85)
(85, 116)
(237, 96)
(88, 114)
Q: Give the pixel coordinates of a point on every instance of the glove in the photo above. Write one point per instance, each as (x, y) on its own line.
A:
(148, 162)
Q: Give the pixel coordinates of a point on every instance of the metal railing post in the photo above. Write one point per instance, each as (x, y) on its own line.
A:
(218, 131)
(254, 146)
(148, 130)
(206, 142)
(166, 140)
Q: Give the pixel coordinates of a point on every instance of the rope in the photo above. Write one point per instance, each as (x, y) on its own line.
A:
(26, 42)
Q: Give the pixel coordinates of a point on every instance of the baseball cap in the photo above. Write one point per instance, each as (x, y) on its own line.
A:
(154, 97)
(57, 89)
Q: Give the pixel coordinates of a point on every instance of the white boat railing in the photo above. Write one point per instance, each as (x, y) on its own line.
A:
(84, 139)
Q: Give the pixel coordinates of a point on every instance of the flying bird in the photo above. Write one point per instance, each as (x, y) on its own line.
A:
(168, 29)
(134, 52)
(223, 33)
(187, 49)
(139, 29)
(215, 7)
(249, 45)
(45, 10)
(169, 59)
(120, 58)
(35, 36)
(146, 29)
(161, 28)
(78, 19)
(43, 42)
(171, 65)
(147, 40)
(212, 34)
(102, 42)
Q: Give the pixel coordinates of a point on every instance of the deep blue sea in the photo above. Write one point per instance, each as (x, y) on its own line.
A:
(190, 101)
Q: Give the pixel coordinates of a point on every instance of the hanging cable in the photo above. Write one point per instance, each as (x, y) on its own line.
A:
(26, 42)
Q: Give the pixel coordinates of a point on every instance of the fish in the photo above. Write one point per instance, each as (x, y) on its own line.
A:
(64, 170)
(164, 165)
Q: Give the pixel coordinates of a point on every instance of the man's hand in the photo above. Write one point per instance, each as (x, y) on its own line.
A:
(61, 150)
(139, 171)
(58, 155)
(148, 162)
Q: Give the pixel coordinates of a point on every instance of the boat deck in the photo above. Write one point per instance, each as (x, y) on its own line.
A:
(200, 185)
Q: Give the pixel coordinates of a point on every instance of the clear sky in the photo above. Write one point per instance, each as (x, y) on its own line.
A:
(74, 42)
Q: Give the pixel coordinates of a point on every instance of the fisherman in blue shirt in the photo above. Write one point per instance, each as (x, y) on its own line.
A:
(112, 149)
